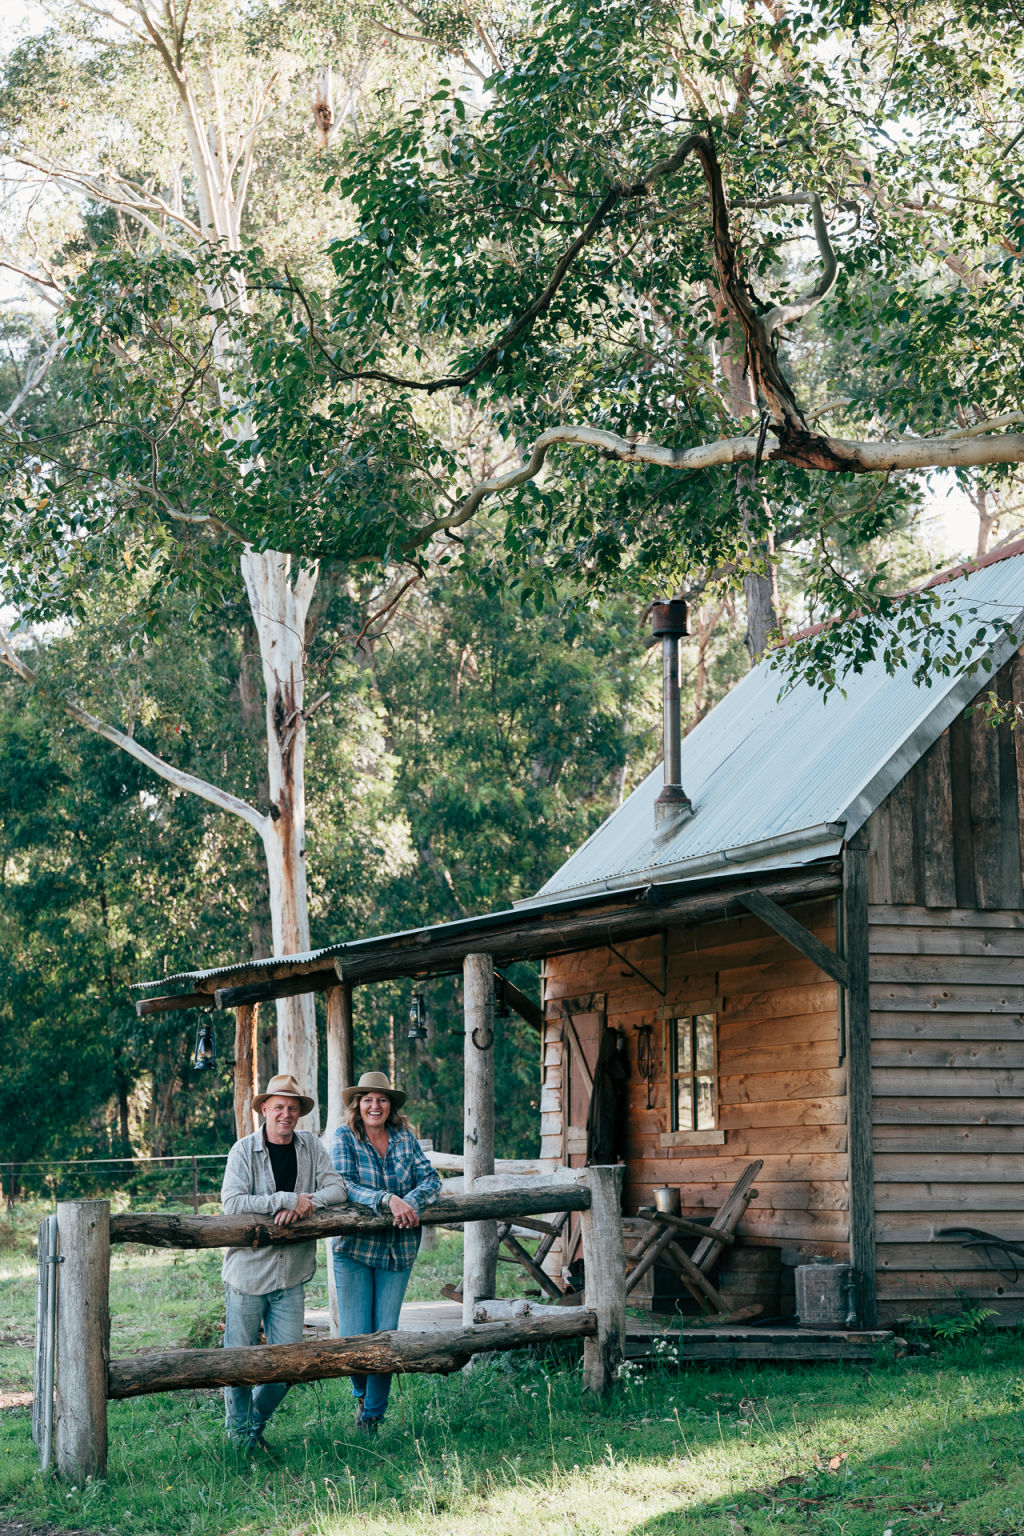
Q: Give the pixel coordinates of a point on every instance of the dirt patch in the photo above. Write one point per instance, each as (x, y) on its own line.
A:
(9, 1398)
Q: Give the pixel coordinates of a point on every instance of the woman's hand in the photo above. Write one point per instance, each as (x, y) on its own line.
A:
(402, 1213)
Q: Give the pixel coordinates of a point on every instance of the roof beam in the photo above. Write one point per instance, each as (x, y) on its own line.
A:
(281, 986)
(527, 935)
(537, 935)
(173, 1002)
(518, 1001)
(801, 938)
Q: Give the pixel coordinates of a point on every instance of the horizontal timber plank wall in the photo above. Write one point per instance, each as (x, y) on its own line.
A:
(782, 1081)
(946, 910)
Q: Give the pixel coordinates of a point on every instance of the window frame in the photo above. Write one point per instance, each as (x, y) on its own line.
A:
(672, 1016)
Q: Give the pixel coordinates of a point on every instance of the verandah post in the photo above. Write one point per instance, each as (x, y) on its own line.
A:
(340, 1075)
(340, 1060)
(480, 1256)
(83, 1338)
(604, 1269)
(246, 1069)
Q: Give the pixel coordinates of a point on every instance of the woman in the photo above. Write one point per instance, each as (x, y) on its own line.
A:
(384, 1168)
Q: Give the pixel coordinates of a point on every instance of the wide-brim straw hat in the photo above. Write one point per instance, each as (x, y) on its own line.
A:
(374, 1082)
(283, 1086)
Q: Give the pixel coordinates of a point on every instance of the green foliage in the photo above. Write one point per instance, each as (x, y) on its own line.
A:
(951, 1328)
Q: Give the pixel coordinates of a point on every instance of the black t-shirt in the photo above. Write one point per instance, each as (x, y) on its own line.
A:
(285, 1164)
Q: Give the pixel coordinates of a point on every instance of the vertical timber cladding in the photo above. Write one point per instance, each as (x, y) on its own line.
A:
(781, 1076)
(946, 915)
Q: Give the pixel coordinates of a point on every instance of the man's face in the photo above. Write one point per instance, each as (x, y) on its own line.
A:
(282, 1115)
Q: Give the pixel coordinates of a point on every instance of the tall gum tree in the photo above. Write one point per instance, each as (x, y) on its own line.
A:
(196, 96)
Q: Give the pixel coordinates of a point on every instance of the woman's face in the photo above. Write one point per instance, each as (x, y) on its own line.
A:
(374, 1109)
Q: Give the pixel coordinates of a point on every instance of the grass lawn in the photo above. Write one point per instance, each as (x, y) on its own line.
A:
(932, 1443)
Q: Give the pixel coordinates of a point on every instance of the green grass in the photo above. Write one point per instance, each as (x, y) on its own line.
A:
(926, 1444)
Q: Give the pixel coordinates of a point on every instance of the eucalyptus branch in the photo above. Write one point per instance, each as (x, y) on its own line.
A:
(784, 314)
(838, 404)
(996, 424)
(187, 782)
(120, 194)
(33, 378)
(956, 450)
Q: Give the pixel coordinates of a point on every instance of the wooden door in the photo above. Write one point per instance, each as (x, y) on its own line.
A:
(583, 1020)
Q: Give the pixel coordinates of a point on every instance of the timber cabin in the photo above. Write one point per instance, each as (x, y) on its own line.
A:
(814, 957)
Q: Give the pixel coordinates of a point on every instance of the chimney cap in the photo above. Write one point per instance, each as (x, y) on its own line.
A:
(669, 618)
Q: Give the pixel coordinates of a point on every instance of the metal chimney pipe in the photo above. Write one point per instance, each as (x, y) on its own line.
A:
(668, 623)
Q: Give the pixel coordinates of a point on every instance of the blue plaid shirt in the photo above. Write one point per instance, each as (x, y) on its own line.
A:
(372, 1180)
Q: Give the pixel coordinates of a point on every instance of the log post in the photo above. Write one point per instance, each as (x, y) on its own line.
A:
(340, 1075)
(83, 1338)
(246, 1068)
(604, 1268)
(480, 1259)
(340, 1060)
(858, 1056)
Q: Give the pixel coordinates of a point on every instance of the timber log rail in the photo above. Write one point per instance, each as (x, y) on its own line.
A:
(87, 1378)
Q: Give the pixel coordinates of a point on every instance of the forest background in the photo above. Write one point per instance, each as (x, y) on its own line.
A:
(473, 703)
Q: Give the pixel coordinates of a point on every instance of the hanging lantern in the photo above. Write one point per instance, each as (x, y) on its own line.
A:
(204, 1057)
(417, 1018)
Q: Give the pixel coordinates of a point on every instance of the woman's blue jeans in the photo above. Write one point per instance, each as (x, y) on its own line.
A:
(368, 1300)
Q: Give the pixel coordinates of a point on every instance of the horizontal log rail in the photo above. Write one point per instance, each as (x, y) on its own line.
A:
(440, 1352)
(156, 1230)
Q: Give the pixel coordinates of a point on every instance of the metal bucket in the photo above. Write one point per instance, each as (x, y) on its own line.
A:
(667, 1201)
(825, 1295)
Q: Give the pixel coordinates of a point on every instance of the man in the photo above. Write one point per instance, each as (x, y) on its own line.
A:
(285, 1173)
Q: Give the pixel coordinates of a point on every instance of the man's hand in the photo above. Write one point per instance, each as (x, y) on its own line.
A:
(402, 1213)
(303, 1207)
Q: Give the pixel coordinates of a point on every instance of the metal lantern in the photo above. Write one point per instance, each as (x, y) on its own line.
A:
(417, 1018)
(204, 1057)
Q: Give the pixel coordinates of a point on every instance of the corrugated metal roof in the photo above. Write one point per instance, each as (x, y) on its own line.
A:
(777, 781)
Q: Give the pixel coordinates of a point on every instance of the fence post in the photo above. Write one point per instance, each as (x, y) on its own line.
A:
(480, 1238)
(83, 1338)
(604, 1268)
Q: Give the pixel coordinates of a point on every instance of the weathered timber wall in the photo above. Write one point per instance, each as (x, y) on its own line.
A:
(782, 1080)
(947, 1003)
(947, 1069)
(950, 833)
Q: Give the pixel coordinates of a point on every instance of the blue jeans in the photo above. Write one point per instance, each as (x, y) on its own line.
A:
(369, 1300)
(281, 1314)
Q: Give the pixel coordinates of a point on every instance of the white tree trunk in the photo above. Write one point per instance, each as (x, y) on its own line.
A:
(280, 602)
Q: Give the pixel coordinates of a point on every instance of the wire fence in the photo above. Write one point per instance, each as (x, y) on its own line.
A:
(173, 1177)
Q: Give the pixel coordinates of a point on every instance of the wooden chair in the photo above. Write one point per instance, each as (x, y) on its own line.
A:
(532, 1263)
(660, 1242)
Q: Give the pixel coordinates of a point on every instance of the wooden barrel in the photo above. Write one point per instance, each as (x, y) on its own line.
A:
(750, 1277)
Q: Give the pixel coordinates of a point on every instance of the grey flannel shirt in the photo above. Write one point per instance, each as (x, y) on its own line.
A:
(248, 1190)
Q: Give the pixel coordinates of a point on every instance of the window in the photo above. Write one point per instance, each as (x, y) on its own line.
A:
(692, 1074)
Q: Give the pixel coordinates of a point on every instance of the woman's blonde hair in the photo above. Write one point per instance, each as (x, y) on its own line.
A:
(355, 1119)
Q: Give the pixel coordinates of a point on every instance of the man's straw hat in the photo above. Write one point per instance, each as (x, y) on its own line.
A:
(283, 1086)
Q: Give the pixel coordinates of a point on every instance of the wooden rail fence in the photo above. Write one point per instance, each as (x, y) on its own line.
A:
(87, 1378)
